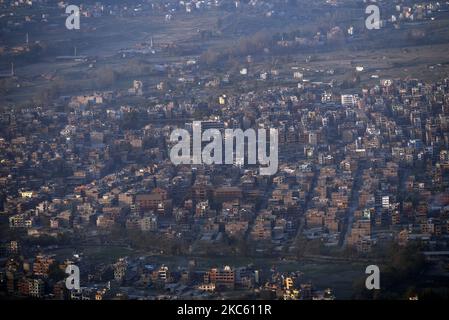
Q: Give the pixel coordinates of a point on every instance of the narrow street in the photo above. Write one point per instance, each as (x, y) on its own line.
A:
(354, 203)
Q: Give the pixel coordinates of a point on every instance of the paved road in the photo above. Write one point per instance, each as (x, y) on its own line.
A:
(354, 204)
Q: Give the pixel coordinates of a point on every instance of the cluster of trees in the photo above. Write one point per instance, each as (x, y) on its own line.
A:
(46, 240)
(306, 247)
(133, 120)
(350, 82)
(402, 273)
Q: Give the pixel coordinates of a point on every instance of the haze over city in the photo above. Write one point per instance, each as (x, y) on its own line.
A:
(224, 150)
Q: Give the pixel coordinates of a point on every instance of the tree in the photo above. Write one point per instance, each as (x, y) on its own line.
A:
(106, 77)
(55, 273)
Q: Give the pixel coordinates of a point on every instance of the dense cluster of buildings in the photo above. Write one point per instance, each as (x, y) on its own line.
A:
(359, 169)
(355, 176)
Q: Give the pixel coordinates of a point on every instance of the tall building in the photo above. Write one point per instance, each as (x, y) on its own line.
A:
(347, 100)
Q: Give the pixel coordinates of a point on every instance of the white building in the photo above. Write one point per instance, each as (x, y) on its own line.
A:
(348, 100)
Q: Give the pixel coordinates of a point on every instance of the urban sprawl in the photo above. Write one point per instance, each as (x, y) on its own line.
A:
(86, 177)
